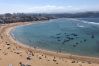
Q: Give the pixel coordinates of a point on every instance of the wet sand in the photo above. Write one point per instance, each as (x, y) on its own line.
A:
(15, 53)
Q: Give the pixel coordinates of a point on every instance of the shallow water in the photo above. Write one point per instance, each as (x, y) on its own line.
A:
(65, 35)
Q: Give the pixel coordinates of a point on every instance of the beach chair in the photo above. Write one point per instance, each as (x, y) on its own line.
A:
(22, 65)
(10, 65)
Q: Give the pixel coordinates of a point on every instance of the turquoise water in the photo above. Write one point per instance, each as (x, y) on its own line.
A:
(75, 36)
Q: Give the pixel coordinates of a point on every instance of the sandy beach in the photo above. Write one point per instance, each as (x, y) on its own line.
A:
(14, 53)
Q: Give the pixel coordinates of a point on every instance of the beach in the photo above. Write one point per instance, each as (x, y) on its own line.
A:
(15, 53)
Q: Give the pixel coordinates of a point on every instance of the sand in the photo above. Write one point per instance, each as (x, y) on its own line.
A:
(15, 53)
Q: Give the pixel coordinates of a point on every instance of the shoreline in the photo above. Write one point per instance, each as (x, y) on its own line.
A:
(6, 34)
(45, 50)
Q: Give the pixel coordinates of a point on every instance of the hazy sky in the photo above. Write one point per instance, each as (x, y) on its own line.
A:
(48, 6)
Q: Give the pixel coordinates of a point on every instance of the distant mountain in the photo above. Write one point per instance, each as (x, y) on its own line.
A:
(76, 15)
(26, 17)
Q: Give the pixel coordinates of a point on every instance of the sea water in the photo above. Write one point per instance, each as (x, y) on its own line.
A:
(66, 35)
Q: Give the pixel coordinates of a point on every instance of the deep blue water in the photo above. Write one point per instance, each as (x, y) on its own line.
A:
(75, 36)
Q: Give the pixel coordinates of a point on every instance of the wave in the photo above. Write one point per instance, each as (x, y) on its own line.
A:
(93, 23)
(80, 25)
(88, 22)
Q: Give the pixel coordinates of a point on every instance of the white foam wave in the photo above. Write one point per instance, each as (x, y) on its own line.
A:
(75, 19)
(80, 25)
(88, 22)
(93, 23)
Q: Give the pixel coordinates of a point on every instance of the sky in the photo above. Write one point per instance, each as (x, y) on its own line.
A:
(48, 6)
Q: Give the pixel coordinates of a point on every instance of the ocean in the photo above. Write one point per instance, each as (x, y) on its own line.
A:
(79, 36)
